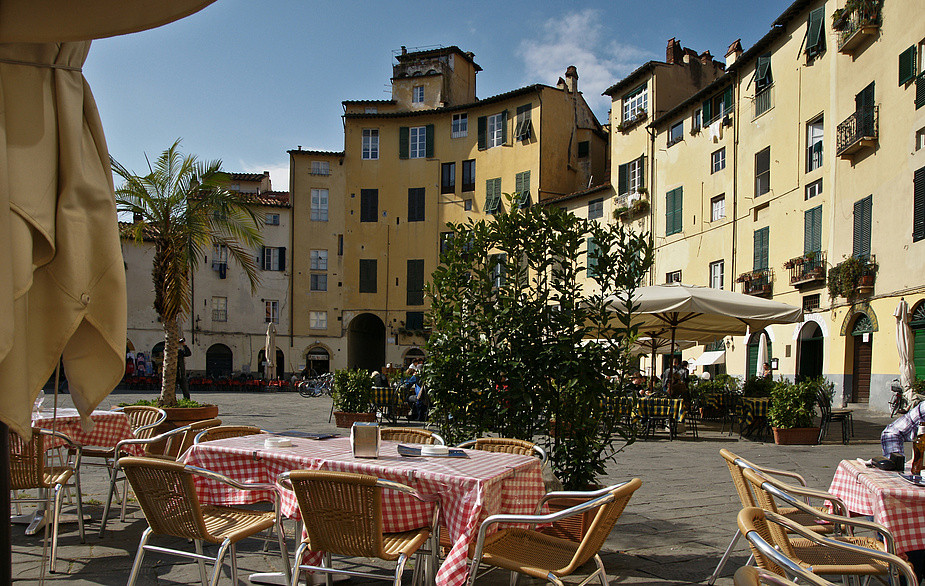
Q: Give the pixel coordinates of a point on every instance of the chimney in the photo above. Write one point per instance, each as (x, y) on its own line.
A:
(571, 79)
(404, 50)
(706, 58)
(561, 84)
(674, 53)
(733, 53)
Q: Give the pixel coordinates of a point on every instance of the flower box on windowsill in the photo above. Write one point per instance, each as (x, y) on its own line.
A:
(626, 125)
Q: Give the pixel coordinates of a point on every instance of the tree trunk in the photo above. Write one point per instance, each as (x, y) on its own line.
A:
(169, 374)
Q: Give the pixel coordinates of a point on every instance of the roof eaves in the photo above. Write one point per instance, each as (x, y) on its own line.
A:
(578, 194)
(632, 77)
(487, 101)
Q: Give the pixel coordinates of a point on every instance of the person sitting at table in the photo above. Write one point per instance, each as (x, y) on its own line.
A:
(638, 385)
(901, 430)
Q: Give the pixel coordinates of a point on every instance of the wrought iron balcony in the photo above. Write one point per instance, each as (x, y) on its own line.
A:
(758, 282)
(859, 131)
(808, 269)
(857, 26)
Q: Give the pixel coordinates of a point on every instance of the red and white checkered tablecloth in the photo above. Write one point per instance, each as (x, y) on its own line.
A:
(895, 503)
(470, 489)
(108, 428)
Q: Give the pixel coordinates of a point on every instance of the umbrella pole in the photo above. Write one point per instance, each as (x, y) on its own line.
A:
(671, 377)
(6, 548)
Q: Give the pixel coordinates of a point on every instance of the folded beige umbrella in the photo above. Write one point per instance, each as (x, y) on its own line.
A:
(62, 281)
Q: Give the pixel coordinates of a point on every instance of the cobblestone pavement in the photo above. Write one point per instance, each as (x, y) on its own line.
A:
(672, 532)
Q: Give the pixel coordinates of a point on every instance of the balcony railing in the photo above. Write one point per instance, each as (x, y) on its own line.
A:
(764, 101)
(859, 131)
(758, 282)
(807, 269)
(856, 26)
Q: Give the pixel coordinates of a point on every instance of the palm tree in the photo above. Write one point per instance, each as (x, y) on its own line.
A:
(183, 206)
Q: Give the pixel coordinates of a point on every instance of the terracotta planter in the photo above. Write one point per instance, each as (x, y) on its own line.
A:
(797, 436)
(180, 416)
(344, 419)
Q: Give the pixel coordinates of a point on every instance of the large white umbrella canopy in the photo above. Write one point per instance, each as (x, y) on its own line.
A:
(904, 348)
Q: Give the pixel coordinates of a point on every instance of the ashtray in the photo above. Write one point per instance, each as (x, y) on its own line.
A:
(277, 442)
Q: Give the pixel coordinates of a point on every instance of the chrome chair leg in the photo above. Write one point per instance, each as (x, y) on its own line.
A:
(55, 518)
(139, 555)
(283, 550)
(203, 574)
(234, 564)
(219, 557)
(602, 573)
(399, 569)
(722, 561)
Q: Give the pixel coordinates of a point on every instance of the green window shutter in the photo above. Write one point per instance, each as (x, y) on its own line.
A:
(920, 91)
(812, 230)
(483, 131)
(429, 144)
(504, 127)
(761, 249)
(751, 366)
(862, 221)
(707, 111)
(592, 258)
(679, 209)
(727, 100)
(762, 77)
(815, 41)
(907, 65)
(403, 141)
(674, 211)
(918, 207)
(492, 196)
(282, 258)
(642, 170)
(918, 353)
(415, 282)
(623, 182)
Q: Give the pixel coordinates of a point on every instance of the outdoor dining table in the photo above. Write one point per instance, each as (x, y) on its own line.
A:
(470, 489)
(754, 414)
(653, 409)
(108, 429)
(894, 502)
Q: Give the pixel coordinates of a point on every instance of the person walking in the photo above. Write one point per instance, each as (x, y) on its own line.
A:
(182, 353)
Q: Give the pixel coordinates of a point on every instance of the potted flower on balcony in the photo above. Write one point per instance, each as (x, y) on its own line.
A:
(791, 412)
(352, 391)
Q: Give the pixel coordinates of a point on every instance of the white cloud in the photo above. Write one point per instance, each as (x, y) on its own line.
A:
(579, 39)
(279, 173)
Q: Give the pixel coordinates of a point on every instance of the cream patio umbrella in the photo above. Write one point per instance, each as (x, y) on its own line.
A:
(904, 348)
(269, 351)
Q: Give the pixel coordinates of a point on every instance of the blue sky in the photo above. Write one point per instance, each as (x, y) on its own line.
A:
(244, 81)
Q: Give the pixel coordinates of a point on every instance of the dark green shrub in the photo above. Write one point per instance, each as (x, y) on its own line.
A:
(793, 404)
(352, 391)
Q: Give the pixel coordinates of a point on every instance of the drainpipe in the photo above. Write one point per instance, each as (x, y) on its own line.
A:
(651, 132)
(735, 181)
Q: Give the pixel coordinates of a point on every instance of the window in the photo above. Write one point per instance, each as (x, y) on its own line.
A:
(319, 282)
(497, 265)
(319, 205)
(468, 175)
(717, 269)
(416, 142)
(274, 259)
(272, 311)
(635, 103)
(673, 277)
(763, 81)
(417, 94)
(814, 144)
(907, 68)
(272, 220)
(697, 120)
(676, 133)
(631, 176)
(762, 172)
(319, 260)
(812, 230)
(448, 178)
(416, 204)
(368, 275)
(219, 309)
(493, 196)
(322, 167)
(815, 33)
(718, 160)
(460, 127)
(717, 106)
(219, 257)
(370, 143)
(524, 128)
(920, 139)
(467, 205)
(371, 110)
(414, 320)
(813, 189)
(369, 205)
(592, 258)
(862, 222)
(596, 208)
(495, 130)
(446, 241)
(584, 149)
(521, 190)
(340, 245)
(318, 320)
(812, 302)
(918, 205)
(761, 249)
(415, 282)
(718, 207)
(674, 200)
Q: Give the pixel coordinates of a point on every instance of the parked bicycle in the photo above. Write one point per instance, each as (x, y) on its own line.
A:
(898, 404)
(318, 386)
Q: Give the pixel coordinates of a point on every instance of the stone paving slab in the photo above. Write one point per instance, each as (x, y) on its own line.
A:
(673, 531)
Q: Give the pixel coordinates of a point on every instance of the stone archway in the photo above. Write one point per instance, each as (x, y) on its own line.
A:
(366, 342)
(280, 363)
(219, 361)
(859, 349)
(318, 360)
(810, 344)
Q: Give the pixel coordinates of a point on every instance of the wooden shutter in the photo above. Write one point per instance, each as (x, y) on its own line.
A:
(368, 275)
(862, 222)
(727, 100)
(642, 171)
(483, 131)
(403, 142)
(282, 258)
(814, 38)
(415, 282)
(369, 205)
(416, 204)
(918, 352)
(623, 181)
(674, 210)
(865, 99)
(918, 205)
(812, 230)
(907, 65)
(707, 111)
(504, 127)
(263, 258)
(761, 249)
(429, 141)
(592, 258)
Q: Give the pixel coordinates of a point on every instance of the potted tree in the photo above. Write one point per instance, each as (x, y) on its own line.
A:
(791, 413)
(352, 391)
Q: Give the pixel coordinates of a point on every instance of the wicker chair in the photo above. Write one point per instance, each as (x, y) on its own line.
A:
(225, 432)
(168, 498)
(752, 576)
(736, 466)
(813, 552)
(342, 513)
(506, 445)
(749, 575)
(530, 552)
(411, 435)
(28, 471)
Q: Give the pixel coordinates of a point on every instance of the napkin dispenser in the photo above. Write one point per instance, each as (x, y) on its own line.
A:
(364, 439)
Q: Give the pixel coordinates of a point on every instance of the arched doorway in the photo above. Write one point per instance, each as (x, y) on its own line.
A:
(219, 360)
(280, 362)
(860, 348)
(917, 322)
(318, 360)
(810, 345)
(412, 355)
(366, 342)
(753, 363)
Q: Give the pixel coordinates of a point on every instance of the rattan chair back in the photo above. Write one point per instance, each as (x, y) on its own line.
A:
(773, 533)
(738, 479)
(752, 576)
(226, 431)
(143, 419)
(27, 462)
(342, 512)
(505, 445)
(411, 435)
(176, 448)
(602, 525)
(165, 491)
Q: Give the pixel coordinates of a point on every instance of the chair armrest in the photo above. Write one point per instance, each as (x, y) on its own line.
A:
(783, 473)
(149, 440)
(73, 447)
(211, 475)
(790, 567)
(784, 495)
